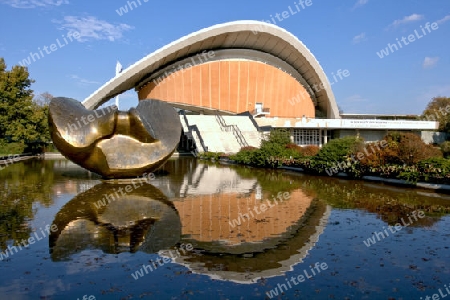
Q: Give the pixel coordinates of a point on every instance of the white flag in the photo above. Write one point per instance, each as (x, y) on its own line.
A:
(118, 68)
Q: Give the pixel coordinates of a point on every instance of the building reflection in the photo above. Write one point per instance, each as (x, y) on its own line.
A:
(267, 257)
(204, 206)
(236, 221)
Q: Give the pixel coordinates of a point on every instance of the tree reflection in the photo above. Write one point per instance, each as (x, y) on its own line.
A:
(22, 185)
(390, 203)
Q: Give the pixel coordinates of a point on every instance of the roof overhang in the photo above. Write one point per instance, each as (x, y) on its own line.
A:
(253, 35)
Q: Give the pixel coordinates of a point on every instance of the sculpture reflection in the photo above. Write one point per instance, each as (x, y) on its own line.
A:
(141, 220)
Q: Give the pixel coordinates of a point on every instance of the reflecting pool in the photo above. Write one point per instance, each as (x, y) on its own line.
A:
(198, 230)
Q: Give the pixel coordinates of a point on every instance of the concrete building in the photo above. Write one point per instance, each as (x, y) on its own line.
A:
(248, 76)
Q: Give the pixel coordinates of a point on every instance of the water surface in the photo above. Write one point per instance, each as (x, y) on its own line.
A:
(202, 231)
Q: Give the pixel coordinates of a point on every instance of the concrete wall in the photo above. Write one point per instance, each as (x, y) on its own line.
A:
(433, 137)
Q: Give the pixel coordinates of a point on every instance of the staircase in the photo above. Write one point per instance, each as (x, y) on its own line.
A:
(214, 134)
(233, 128)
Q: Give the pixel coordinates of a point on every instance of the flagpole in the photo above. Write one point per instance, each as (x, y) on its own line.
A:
(118, 71)
(117, 101)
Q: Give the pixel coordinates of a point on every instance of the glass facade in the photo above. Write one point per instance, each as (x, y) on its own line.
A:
(305, 137)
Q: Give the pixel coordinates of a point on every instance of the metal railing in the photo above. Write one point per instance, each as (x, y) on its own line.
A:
(239, 136)
(223, 125)
(189, 134)
(234, 128)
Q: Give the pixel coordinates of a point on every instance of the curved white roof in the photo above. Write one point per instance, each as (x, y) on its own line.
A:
(253, 35)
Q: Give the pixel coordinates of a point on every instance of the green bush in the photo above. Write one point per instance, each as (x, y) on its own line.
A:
(245, 156)
(336, 157)
(276, 149)
(213, 156)
(273, 152)
(11, 148)
(277, 136)
(437, 163)
(445, 148)
(435, 170)
(336, 151)
(410, 174)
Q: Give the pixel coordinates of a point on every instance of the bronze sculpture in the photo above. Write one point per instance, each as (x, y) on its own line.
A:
(113, 143)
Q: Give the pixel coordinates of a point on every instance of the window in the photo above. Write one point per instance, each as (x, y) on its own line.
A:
(259, 108)
(305, 137)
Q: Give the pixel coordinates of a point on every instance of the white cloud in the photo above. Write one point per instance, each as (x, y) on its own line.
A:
(83, 81)
(406, 20)
(430, 62)
(33, 3)
(359, 38)
(92, 28)
(443, 20)
(360, 3)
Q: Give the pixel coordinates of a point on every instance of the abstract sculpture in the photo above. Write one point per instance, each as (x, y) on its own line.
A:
(113, 143)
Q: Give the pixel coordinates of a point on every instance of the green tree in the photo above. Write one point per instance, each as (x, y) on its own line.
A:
(438, 110)
(16, 102)
(39, 119)
(22, 118)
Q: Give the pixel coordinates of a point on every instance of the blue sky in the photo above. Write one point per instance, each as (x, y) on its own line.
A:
(344, 34)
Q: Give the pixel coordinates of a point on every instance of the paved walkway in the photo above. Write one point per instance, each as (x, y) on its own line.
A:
(14, 158)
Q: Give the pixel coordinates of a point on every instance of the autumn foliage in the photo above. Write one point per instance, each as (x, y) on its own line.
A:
(402, 149)
(310, 150)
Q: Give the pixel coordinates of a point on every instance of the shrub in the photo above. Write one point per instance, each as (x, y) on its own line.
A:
(293, 151)
(294, 147)
(245, 155)
(378, 155)
(310, 150)
(435, 162)
(337, 150)
(213, 156)
(248, 148)
(408, 148)
(334, 156)
(274, 151)
(435, 170)
(445, 148)
(11, 148)
(281, 137)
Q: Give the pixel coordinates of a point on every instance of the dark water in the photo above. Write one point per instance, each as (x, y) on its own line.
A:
(179, 238)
